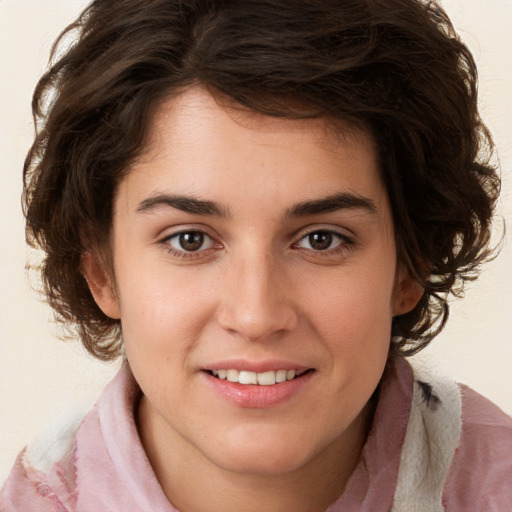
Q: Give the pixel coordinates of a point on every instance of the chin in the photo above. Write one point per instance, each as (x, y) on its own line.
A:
(264, 455)
(277, 464)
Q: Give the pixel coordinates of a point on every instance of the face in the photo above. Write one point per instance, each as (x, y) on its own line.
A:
(256, 280)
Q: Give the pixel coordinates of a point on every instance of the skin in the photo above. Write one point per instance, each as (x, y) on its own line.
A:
(257, 289)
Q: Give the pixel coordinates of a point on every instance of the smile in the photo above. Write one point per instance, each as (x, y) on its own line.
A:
(267, 378)
(258, 389)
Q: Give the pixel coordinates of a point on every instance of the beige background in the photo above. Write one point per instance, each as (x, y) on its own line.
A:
(41, 377)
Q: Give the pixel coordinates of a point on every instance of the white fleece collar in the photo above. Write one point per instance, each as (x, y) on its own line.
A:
(432, 437)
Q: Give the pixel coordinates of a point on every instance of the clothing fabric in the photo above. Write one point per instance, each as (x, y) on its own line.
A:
(433, 446)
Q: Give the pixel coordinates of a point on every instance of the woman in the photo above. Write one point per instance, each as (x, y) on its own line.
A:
(261, 207)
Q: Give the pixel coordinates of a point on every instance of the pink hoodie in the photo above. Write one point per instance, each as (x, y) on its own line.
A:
(103, 467)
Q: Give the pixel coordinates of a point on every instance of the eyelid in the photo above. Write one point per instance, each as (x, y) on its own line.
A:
(347, 241)
(172, 231)
(336, 236)
(183, 254)
(344, 233)
(176, 236)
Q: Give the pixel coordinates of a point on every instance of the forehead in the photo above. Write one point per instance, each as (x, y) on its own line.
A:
(196, 110)
(204, 146)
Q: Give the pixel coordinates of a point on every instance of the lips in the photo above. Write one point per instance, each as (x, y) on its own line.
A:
(258, 385)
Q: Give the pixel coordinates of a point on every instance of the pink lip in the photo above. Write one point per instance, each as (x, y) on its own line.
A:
(254, 396)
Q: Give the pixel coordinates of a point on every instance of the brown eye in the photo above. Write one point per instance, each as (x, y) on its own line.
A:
(320, 241)
(323, 240)
(190, 241)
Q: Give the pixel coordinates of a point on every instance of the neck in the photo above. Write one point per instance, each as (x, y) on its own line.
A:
(192, 483)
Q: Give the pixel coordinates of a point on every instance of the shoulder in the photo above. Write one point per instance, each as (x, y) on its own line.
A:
(431, 439)
(457, 451)
(480, 476)
(42, 477)
(92, 461)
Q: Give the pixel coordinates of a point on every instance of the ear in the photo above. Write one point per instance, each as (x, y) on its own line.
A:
(407, 292)
(100, 284)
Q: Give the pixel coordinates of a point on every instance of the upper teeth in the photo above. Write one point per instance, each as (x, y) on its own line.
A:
(263, 379)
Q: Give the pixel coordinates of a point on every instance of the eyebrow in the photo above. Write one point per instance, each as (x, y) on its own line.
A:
(342, 201)
(186, 204)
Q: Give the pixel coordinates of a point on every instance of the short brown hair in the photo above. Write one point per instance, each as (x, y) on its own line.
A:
(394, 67)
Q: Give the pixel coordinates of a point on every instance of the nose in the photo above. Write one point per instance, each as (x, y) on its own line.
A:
(257, 301)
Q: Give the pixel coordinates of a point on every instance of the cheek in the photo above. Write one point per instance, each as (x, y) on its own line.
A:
(162, 312)
(354, 321)
(357, 302)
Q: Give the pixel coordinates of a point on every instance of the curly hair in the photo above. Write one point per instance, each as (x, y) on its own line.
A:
(394, 67)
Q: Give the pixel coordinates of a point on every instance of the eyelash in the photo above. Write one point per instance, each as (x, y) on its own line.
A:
(345, 243)
(183, 254)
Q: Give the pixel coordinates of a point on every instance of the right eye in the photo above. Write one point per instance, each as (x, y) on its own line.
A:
(189, 241)
(321, 241)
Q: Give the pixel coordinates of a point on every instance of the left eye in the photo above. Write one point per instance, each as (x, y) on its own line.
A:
(190, 241)
(321, 241)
